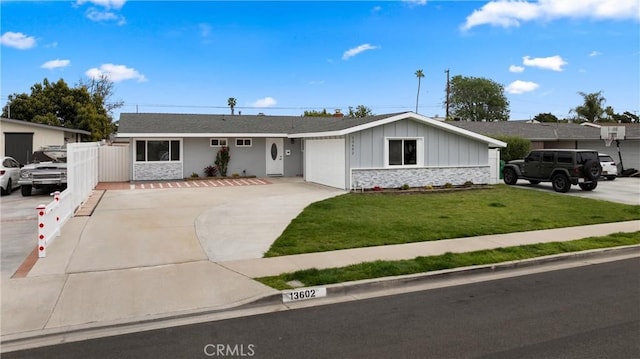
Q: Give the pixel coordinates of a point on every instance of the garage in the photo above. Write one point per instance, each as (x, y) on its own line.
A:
(325, 162)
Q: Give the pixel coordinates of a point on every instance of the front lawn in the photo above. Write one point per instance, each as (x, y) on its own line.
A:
(362, 219)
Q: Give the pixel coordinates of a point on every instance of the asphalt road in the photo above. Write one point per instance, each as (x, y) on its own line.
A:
(585, 312)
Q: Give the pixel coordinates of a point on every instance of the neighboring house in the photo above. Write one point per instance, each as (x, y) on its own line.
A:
(385, 150)
(565, 135)
(20, 138)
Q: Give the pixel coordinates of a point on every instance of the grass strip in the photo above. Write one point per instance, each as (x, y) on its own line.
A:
(357, 220)
(377, 269)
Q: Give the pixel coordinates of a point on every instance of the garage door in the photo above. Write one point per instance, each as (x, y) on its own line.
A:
(325, 162)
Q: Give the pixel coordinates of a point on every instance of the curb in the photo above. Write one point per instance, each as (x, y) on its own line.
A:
(365, 285)
(19, 341)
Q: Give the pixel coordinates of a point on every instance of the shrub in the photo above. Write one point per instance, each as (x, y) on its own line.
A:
(405, 187)
(222, 160)
(211, 171)
(517, 147)
(448, 185)
(468, 184)
(195, 175)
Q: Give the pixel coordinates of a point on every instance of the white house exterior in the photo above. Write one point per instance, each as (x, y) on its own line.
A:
(346, 153)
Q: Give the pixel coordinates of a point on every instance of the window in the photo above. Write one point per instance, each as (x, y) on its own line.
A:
(157, 150)
(403, 152)
(243, 142)
(547, 157)
(565, 157)
(533, 157)
(218, 142)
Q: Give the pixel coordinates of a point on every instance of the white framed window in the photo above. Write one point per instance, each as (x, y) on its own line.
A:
(243, 142)
(158, 150)
(404, 152)
(218, 142)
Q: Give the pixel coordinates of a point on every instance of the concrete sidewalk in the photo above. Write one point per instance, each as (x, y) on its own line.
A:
(145, 254)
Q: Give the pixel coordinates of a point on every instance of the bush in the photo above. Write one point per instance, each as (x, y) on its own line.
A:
(222, 160)
(517, 147)
(211, 171)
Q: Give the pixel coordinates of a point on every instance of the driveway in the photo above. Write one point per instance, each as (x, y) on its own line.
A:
(624, 190)
(18, 228)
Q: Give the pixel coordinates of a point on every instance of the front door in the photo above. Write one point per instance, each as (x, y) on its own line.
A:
(275, 156)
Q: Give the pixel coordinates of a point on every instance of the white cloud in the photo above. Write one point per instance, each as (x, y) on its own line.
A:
(516, 69)
(595, 53)
(265, 102)
(415, 2)
(519, 87)
(376, 9)
(104, 10)
(508, 13)
(54, 64)
(554, 63)
(357, 50)
(116, 73)
(17, 40)
(107, 4)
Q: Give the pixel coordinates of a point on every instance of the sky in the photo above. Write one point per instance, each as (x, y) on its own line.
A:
(285, 57)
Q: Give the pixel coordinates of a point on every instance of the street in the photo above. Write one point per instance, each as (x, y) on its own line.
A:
(591, 311)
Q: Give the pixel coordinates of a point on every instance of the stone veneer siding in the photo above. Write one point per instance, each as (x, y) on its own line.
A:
(149, 171)
(418, 177)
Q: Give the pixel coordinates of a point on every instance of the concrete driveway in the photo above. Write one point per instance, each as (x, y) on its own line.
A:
(624, 190)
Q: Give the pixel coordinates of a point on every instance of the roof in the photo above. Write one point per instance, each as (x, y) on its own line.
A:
(194, 125)
(544, 131)
(42, 125)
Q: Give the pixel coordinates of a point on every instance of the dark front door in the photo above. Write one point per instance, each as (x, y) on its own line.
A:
(19, 146)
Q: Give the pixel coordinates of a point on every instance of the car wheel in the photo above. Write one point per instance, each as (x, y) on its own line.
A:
(510, 176)
(534, 182)
(26, 190)
(588, 186)
(5, 191)
(561, 183)
(592, 170)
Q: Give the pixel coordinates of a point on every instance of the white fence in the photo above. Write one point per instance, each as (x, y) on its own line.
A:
(114, 164)
(82, 178)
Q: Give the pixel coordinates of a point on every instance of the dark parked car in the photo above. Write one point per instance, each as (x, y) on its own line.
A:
(559, 166)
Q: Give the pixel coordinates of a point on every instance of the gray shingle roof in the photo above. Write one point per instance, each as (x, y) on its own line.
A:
(543, 131)
(132, 123)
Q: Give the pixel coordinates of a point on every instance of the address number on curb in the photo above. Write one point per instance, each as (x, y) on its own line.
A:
(303, 294)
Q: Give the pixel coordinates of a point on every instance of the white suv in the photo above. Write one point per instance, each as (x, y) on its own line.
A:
(609, 168)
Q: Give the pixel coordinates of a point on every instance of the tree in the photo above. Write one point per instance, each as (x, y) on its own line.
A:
(478, 99)
(232, 104)
(592, 110)
(82, 107)
(517, 147)
(360, 111)
(419, 75)
(545, 117)
(314, 113)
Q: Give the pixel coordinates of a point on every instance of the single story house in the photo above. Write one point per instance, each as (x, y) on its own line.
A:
(20, 138)
(385, 150)
(565, 135)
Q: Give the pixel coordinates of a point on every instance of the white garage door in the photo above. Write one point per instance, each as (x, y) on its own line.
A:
(325, 162)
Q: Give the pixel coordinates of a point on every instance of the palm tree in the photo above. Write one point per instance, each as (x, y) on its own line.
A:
(232, 104)
(419, 75)
(592, 109)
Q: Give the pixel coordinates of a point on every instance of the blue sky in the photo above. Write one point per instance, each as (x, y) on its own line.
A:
(282, 58)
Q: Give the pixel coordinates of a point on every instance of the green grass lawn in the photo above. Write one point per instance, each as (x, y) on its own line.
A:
(372, 219)
(377, 269)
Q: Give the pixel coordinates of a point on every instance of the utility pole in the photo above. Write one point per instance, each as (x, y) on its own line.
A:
(447, 98)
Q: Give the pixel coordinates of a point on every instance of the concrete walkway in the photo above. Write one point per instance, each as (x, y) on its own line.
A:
(142, 254)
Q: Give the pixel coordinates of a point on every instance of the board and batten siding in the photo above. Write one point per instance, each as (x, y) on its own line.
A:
(448, 157)
(441, 148)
